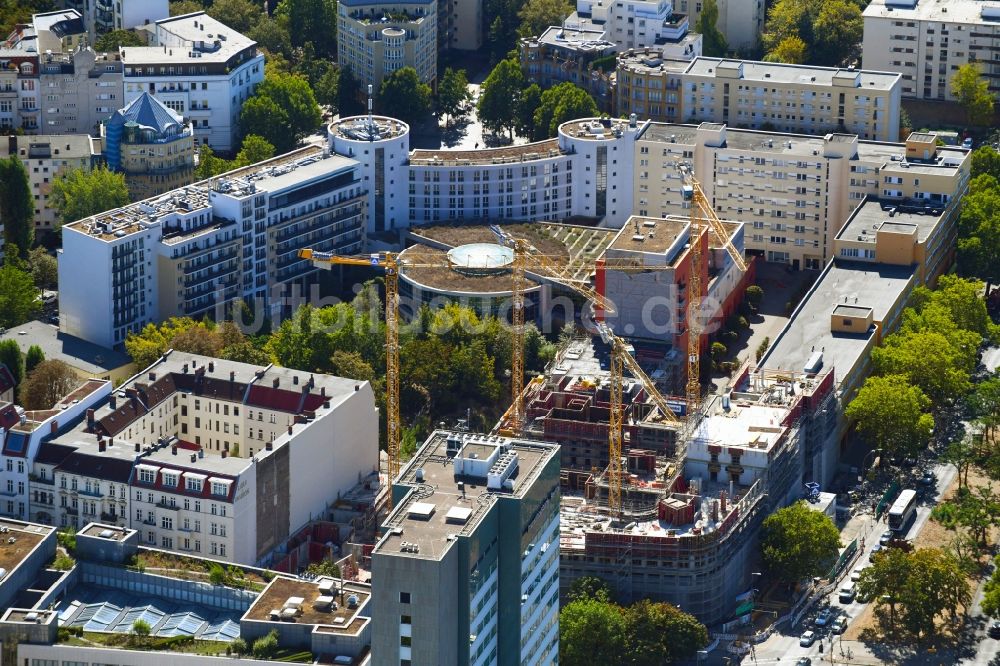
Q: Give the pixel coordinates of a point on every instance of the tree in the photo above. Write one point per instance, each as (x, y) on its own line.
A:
(797, 542)
(713, 41)
(537, 15)
(44, 268)
(350, 101)
(973, 93)
(266, 646)
(324, 568)
(403, 95)
(985, 160)
(837, 27)
(47, 384)
(208, 164)
(591, 632)
(754, 295)
(18, 296)
(272, 36)
(149, 344)
(500, 96)
(790, 50)
(979, 220)
(141, 628)
(12, 357)
(660, 633)
(589, 587)
(34, 356)
(453, 93)
(254, 149)
(17, 208)
(240, 15)
(311, 21)
(327, 89)
(179, 7)
(352, 365)
(531, 99)
(892, 413)
(283, 111)
(929, 361)
(562, 103)
(976, 509)
(82, 193)
(111, 41)
(991, 592)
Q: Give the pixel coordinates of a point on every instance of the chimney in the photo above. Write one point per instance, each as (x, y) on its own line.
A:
(101, 446)
(312, 381)
(111, 441)
(322, 391)
(270, 445)
(152, 376)
(201, 453)
(357, 387)
(295, 380)
(185, 368)
(194, 457)
(225, 453)
(173, 450)
(289, 430)
(90, 419)
(211, 366)
(137, 449)
(276, 383)
(55, 427)
(232, 375)
(114, 402)
(723, 500)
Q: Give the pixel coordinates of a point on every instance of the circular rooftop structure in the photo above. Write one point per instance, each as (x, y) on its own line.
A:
(480, 258)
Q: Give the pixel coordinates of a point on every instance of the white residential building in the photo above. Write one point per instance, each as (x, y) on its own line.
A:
(926, 41)
(191, 251)
(201, 69)
(183, 451)
(741, 22)
(102, 16)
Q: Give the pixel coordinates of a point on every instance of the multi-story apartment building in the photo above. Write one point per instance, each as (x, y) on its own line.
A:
(102, 16)
(185, 451)
(460, 25)
(759, 95)
(375, 38)
(926, 41)
(793, 98)
(793, 192)
(201, 69)
(19, 107)
(78, 90)
(467, 570)
(193, 250)
(60, 32)
(740, 21)
(151, 145)
(46, 157)
(581, 50)
(585, 172)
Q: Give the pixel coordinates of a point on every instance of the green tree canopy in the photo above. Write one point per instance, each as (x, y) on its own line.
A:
(591, 632)
(254, 149)
(531, 99)
(975, 509)
(562, 103)
(791, 50)
(179, 7)
(537, 15)
(283, 111)
(797, 542)
(500, 96)
(34, 356)
(240, 15)
(17, 207)
(713, 42)
(818, 32)
(660, 633)
(837, 29)
(13, 12)
(82, 193)
(929, 361)
(327, 89)
(18, 296)
(272, 35)
(312, 21)
(991, 592)
(44, 268)
(453, 94)
(589, 587)
(13, 358)
(985, 160)
(973, 93)
(979, 220)
(892, 413)
(111, 41)
(404, 96)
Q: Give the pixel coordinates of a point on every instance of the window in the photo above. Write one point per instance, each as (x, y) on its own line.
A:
(404, 597)
(167, 523)
(220, 489)
(147, 476)
(193, 485)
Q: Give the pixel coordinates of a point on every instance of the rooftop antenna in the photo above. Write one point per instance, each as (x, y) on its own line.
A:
(371, 123)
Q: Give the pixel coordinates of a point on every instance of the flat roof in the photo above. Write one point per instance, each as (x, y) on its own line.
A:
(743, 426)
(776, 72)
(101, 531)
(588, 37)
(852, 310)
(872, 215)
(178, 36)
(877, 286)
(79, 353)
(946, 11)
(26, 537)
(430, 534)
(650, 234)
(344, 619)
(503, 155)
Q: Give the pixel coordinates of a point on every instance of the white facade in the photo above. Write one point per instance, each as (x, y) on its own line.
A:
(926, 41)
(633, 23)
(201, 69)
(102, 16)
(741, 22)
(192, 250)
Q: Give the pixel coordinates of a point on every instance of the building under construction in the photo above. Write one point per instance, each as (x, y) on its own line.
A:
(688, 531)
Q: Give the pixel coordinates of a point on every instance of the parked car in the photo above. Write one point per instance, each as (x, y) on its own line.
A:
(839, 625)
(807, 639)
(994, 629)
(856, 574)
(886, 537)
(823, 618)
(847, 592)
(928, 479)
(804, 661)
(967, 143)
(875, 549)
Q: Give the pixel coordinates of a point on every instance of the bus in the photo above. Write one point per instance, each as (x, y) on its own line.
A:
(902, 511)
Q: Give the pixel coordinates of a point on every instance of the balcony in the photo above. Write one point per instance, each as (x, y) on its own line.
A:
(111, 517)
(167, 505)
(211, 275)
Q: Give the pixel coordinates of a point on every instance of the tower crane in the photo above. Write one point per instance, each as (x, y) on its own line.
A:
(392, 263)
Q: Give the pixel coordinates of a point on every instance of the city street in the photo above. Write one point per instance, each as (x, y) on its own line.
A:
(784, 646)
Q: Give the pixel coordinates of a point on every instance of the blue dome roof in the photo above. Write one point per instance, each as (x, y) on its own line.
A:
(149, 113)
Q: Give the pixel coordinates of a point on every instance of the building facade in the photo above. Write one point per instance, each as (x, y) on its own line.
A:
(794, 193)
(469, 573)
(376, 38)
(200, 69)
(79, 90)
(191, 251)
(47, 157)
(741, 22)
(927, 41)
(151, 145)
(103, 16)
